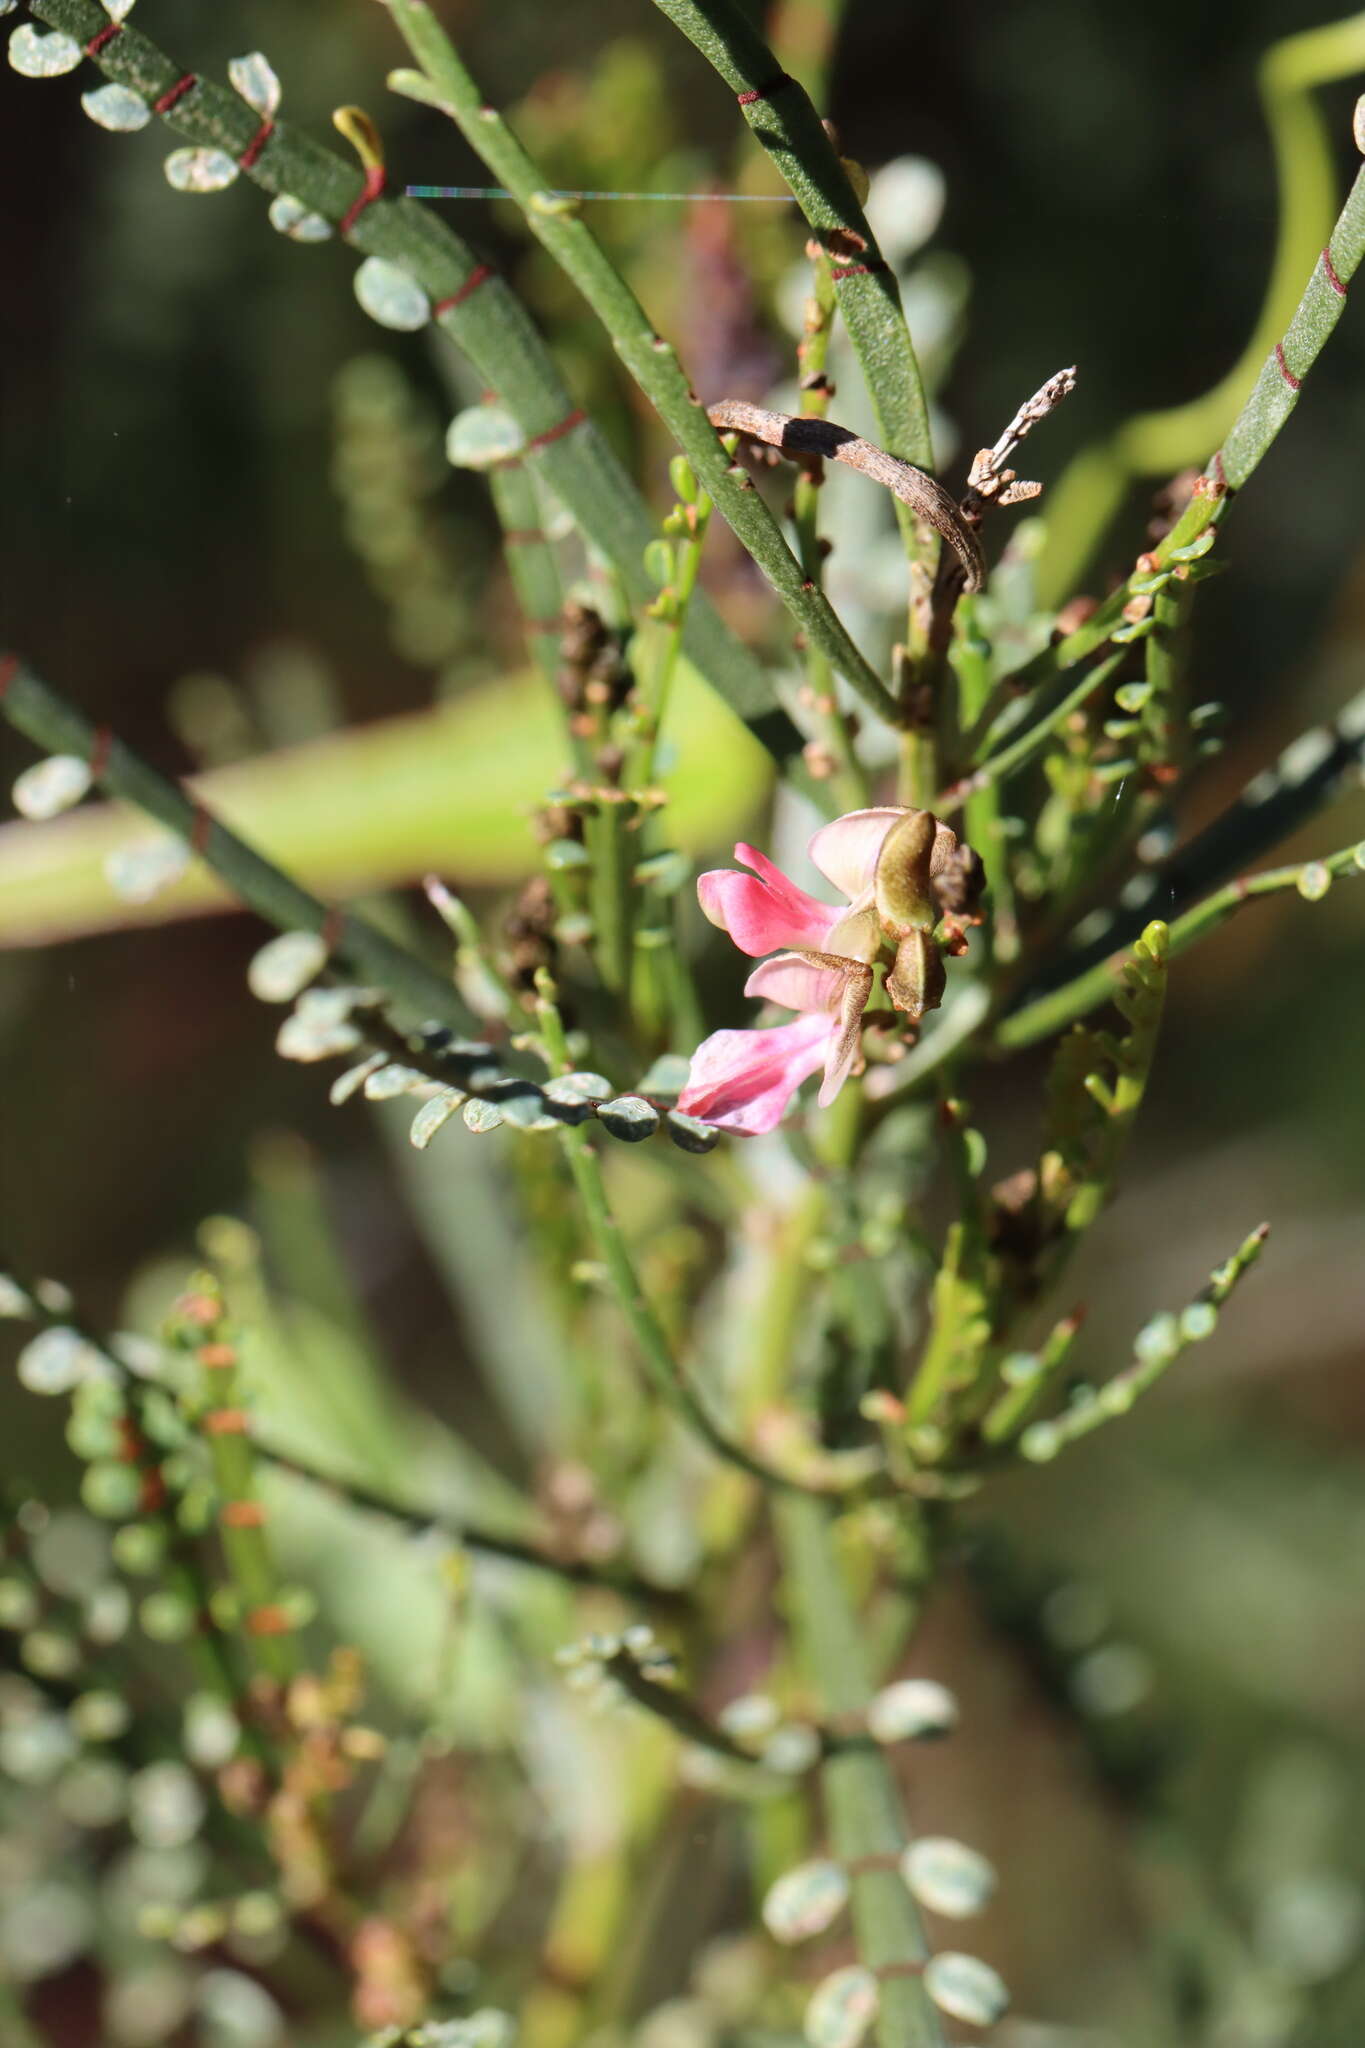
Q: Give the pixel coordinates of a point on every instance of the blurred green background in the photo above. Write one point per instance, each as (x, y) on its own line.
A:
(1159, 1645)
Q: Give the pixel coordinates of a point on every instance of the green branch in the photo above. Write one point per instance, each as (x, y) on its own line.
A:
(665, 1373)
(444, 83)
(1160, 443)
(476, 308)
(867, 1824)
(1157, 1348)
(1098, 985)
(783, 120)
(1264, 411)
(37, 711)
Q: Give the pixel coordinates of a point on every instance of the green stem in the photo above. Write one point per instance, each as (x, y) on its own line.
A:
(789, 129)
(1062, 1006)
(1160, 443)
(1263, 413)
(1158, 1347)
(37, 711)
(1033, 1375)
(667, 1704)
(479, 312)
(999, 767)
(266, 1628)
(653, 362)
(832, 727)
(585, 1166)
(487, 1542)
(531, 563)
(866, 1818)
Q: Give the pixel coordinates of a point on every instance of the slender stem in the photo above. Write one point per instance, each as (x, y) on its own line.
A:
(786, 124)
(585, 1165)
(488, 1542)
(1028, 1383)
(667, 1704)
(1158, 1347)
(832, 727)
(652, 361)
(1267, 406)
(36, 710)
(1160, 443)
(866, 1818)
(475, 307)
(999, 767)
(1062, 1006)
(531, 562)
(266, 1626)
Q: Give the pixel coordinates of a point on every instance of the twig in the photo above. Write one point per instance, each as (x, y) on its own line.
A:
(783, 120)
(1001, 766)
(470, 302)
(866, 1821)
(36, 710)
(1158, 1347)
(489, 1543)
(666, 1374)
(807, 436)
(1253, 432)
(444, 82)
(1051, 1012)
(991, 481)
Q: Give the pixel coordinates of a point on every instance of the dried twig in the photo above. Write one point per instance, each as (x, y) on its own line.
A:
(926, 497)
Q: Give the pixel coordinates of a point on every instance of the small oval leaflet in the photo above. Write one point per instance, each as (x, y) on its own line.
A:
(55, 1361)
(116, 108)
(166, 1806)
(806, 1900)
(138, 873)
(345, 1085)
(579, 1087)
(966, 1988)
(751, 1717)
(481, 1116)
(289, 216)
(13, 1300)
(52, 786)
(911, 1710)
(482, 437)
(432, 1115)
(690, 1134)
(842, 2008)
(38, 56)
(391, 297)
(630, 1118)
(791, 1749)
(391, 1080)
(254, 78)
(314, 1035)
(200, 170)
(285, 965)
(948, 1877)
(1315, 879)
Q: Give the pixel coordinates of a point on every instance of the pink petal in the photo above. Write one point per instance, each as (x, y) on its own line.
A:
(858, 933)
(764, 912)
(846, 851)
(795, 983)
(743, 1080)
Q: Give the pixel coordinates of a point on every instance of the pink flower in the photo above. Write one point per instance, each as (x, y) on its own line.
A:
(896, 885)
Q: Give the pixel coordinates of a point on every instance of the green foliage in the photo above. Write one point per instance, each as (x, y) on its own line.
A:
(376, 1670)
